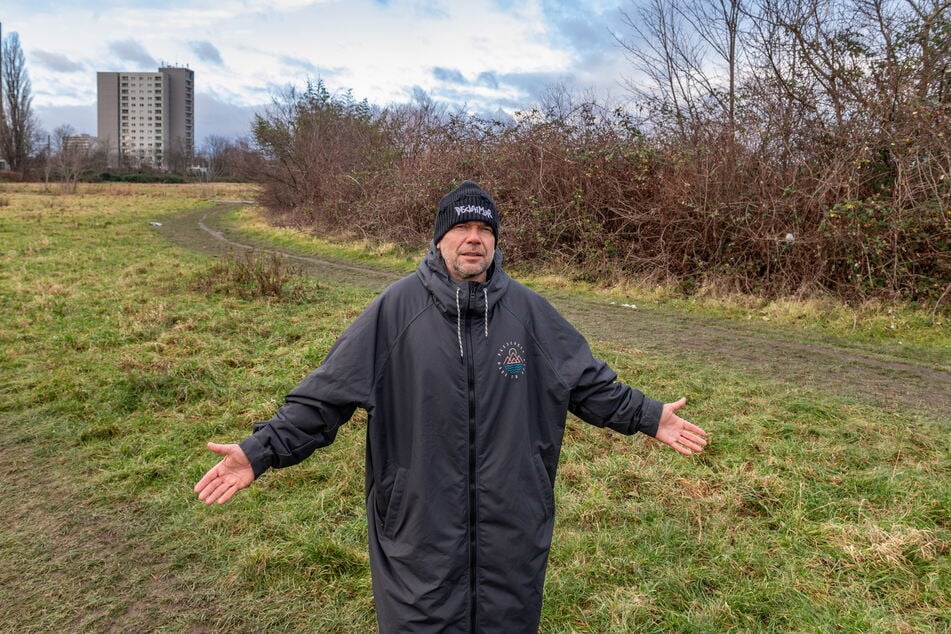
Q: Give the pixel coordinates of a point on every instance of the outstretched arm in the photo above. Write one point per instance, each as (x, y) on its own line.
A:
(227, 477)
(674, 431)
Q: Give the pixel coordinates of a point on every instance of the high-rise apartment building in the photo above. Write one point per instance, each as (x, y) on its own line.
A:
(147, 118)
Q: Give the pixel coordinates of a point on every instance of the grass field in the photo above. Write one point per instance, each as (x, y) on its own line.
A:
(123, 353)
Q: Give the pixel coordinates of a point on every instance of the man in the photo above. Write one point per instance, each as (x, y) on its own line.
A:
(466, 377)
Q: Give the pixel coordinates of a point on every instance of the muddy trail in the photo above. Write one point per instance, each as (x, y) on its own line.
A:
(873, 374)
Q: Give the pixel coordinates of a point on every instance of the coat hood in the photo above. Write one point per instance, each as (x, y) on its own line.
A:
(434, 276)
(451, 297)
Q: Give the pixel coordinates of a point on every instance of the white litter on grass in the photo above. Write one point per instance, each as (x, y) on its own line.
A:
(155, 224)
(631, 306)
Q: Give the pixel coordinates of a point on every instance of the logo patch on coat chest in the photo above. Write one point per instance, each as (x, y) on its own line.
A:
(510, 360)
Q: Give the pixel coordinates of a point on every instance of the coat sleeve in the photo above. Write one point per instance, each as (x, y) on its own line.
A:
(315, 409)
(595, 394)
(600, 399)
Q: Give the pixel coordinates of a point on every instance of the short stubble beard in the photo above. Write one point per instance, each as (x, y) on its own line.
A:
(461, 271)
(464, 272)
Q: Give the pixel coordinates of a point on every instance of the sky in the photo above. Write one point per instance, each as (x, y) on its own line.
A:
(481, 56)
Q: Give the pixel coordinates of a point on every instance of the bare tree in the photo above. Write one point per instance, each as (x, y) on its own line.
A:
(70, 156)
(240, 160)
(410, 125)
(690, 53)
(663, 54)
(177, 159)
(718, 24)
(216, 150)
(18, 125)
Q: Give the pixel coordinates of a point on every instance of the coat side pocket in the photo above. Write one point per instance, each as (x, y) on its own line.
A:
(544, 483)
(396, 499)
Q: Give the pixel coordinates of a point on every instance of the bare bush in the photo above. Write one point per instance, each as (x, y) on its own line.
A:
(835, 140)
(250, 275)
(321, 148)
(783, 148)
(230, 159)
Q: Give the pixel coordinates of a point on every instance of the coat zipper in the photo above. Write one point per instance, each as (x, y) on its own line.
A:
(473, 519)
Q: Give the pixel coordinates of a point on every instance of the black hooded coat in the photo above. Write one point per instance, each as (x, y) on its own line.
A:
(466, 386)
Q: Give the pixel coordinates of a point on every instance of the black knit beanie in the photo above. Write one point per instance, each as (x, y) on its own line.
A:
(465, 203)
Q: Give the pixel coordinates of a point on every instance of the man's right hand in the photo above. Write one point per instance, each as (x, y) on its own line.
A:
(679, 434)
(227, 477)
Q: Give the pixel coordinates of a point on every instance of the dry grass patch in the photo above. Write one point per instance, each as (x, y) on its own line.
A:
(899, 546)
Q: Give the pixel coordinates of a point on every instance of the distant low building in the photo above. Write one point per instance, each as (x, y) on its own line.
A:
(78, 143)
(147, 118)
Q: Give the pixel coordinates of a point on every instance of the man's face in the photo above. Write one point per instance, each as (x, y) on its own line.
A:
(468, 249)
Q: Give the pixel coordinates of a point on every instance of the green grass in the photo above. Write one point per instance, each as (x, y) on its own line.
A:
(806, 514)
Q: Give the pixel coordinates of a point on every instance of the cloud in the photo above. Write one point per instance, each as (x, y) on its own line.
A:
(449, 75)
(57, 62)
(536, 86)
(588, 33)
(132, 51)
(296, 62)
(220, 118)
(487, 79)
(81, 118)
(486, 106)
(429, 9)
(479, 56)
(277, 6)
(206, 52)
(597, 53)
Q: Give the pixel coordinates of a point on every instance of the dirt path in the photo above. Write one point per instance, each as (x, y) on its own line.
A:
(863, 373)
